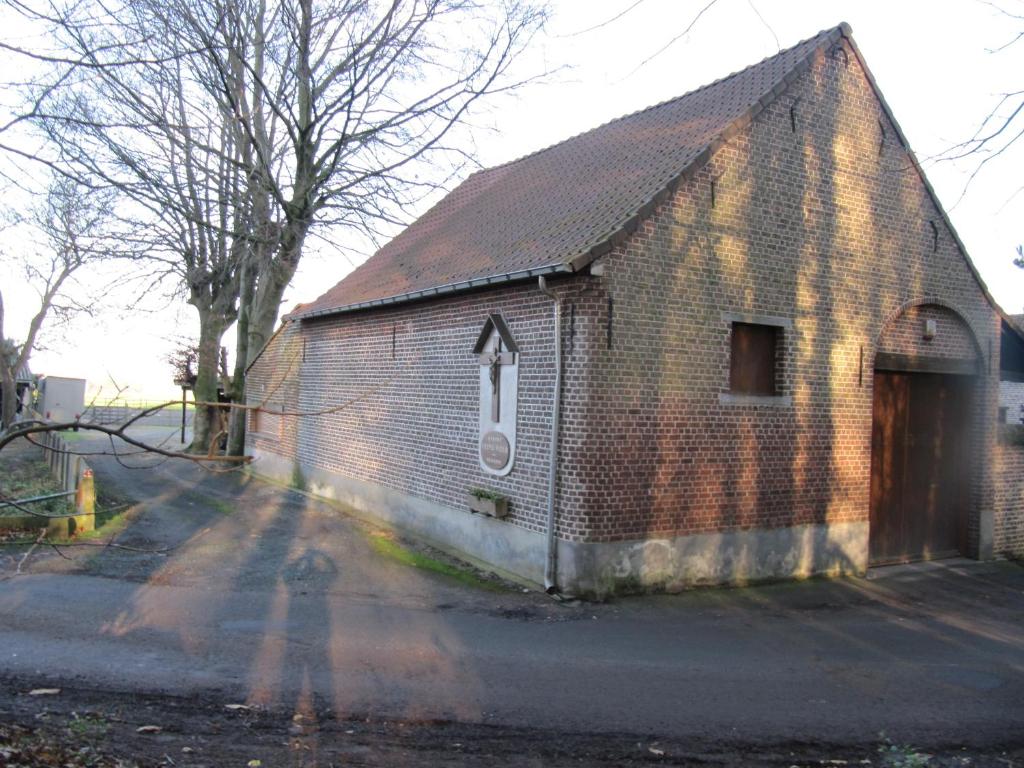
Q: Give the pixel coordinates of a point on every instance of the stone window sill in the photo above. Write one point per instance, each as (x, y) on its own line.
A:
(774, 401)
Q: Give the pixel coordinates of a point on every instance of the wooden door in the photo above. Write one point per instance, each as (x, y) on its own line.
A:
(919, 466)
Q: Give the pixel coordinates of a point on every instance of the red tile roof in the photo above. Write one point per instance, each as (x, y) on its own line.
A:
(561, 207)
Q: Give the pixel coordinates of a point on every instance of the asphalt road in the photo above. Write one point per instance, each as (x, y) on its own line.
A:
(270, 597)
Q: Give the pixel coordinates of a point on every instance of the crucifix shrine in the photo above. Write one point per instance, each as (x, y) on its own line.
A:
(498, 356)
(494, 360)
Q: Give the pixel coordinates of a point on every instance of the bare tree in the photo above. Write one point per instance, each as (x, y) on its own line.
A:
(340, 108)
(236, 126)
(1003, 126)
(73, 226)
(136, 117)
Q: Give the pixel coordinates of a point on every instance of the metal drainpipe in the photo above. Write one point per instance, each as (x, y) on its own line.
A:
(551, 565)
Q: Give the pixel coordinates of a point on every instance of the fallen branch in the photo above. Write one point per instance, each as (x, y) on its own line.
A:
(42, 535)
(47, 516)
(119, 432)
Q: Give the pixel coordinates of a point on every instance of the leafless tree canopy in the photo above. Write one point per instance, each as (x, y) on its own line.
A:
(72, 224)
(233, 127)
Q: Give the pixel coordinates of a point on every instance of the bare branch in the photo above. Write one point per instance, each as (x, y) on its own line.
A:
(675, 39)
(32, 428)
(606, 22)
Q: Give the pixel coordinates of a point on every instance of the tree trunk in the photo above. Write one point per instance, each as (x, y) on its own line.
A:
(206, 419)
(236, 429)
(271, 285)
(9, 391)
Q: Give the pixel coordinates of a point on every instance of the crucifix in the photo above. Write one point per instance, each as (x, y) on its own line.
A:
(498, 356)
(494, 360)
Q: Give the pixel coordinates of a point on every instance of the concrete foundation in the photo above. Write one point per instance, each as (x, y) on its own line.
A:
(735, 557)
(593, 568)
(486, 541)
(986, 534)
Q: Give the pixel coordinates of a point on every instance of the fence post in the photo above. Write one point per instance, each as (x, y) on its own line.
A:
(85, 504)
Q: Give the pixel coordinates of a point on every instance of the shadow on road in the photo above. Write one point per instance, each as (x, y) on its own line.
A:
(278, 601)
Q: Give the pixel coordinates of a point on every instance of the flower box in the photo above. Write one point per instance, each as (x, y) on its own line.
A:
(492, 505)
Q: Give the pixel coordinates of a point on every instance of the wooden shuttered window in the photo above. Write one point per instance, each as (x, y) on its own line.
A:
(752, 364)
(265, 423)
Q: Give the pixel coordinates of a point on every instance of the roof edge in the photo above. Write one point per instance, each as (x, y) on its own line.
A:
(429, 293)
(622, 229)
(284, 321)
(632, 221)
(1015, 329)
(842, 28)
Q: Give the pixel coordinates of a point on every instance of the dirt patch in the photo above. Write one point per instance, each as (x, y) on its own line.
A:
(89, 727)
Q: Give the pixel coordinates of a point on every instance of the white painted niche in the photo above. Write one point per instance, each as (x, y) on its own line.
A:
(498, 356)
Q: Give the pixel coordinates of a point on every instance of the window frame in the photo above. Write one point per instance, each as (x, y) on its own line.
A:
(260, 414)
(783, 327)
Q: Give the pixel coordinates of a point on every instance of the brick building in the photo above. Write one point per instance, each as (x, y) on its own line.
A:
(1011, 386)
(729, 337)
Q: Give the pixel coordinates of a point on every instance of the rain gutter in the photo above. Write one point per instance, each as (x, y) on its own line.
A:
(441, 290)
(551, 561)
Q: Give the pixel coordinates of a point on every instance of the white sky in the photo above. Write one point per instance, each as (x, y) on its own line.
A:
(930, 59)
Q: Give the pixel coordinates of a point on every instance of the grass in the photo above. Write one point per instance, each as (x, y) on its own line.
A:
(25, 477)
(901, 755)
(113, 513)
(224, 507)
(141, 405)
(21, 746)
(384, 544)
(88, 726)
(108, 523)
(209, 501)
(298, 479)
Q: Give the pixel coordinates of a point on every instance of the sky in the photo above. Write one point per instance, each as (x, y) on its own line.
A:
(934, 61)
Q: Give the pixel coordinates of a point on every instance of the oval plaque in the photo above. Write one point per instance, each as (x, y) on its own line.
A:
(495, 449)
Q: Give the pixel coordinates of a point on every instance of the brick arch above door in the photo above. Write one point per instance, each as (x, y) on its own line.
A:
(928, 336)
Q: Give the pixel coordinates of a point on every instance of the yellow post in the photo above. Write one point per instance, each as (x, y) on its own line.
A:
(85, 503)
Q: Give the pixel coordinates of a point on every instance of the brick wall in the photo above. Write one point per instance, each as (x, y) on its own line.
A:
(953, 339)
(273, 386)
(1011, 397)
(1008, 517)
(398, 391)
(821, 225)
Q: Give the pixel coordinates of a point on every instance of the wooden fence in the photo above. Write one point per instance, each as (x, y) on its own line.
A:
(67, 468)
(75, 477)
(118, 412)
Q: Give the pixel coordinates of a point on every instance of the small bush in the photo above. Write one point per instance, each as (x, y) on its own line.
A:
(485, 493)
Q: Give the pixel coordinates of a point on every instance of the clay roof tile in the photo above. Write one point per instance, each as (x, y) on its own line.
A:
(555, 209)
